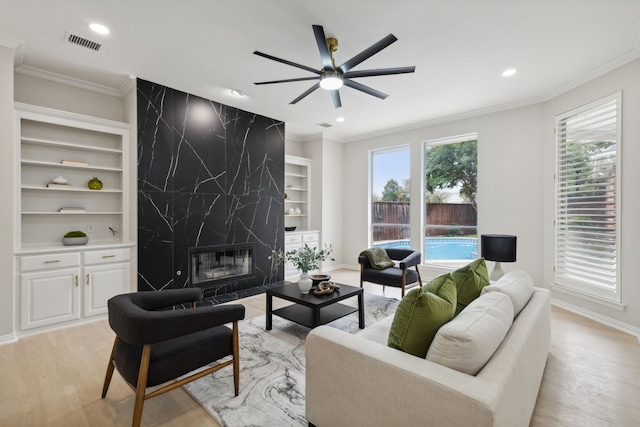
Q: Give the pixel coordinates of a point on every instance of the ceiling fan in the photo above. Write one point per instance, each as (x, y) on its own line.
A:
(332, 78)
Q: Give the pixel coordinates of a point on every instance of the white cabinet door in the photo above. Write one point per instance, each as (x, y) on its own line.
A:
(49, 297)
(102, 282)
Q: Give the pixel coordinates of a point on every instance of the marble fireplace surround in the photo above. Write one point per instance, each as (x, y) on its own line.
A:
(208, 175)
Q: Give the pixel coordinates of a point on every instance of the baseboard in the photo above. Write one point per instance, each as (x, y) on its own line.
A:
(620, 326)
(8, 339)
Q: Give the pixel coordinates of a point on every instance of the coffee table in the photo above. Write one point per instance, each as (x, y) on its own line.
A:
(313, 310)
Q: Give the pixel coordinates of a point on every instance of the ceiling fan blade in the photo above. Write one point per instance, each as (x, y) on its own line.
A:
(307, 92)
(367, 53)
(321, 40)
(379, 72)
(284, 61)
(363, 88)
(335, 94)
(301, 79)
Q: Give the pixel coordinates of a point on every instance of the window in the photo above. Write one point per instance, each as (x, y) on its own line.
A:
(390, 203)
(587, 232)
(451, 210)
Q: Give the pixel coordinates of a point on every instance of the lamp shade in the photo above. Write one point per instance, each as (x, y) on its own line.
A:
(498, 247)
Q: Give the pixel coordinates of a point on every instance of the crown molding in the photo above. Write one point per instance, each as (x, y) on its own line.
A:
(66, 80)
(16, 45)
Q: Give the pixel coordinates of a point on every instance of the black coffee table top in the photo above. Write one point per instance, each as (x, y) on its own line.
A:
(290, 292)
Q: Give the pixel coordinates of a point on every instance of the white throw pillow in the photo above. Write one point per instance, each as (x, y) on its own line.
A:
(468, 341)
(517, 284)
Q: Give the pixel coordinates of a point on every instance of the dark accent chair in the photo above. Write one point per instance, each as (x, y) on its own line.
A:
(399, 276)
(156, 343)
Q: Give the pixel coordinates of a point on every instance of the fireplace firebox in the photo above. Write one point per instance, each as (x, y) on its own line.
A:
(212, 265)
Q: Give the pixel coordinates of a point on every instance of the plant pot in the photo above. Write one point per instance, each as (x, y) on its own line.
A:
(73, 241)
(304, 283)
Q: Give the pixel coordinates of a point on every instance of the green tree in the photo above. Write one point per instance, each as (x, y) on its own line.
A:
(450, 165)
(392, 191)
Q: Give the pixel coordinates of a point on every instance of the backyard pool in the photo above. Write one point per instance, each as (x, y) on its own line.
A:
(438, 248)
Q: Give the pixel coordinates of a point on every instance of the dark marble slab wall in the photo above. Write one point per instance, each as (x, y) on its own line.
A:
(208, 174)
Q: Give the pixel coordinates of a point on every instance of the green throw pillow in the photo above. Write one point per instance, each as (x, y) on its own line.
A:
(470, 280)
(421, 313)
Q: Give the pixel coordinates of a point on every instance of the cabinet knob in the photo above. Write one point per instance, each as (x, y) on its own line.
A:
(53, 261)
(87, 279)
(76, 280)
(108, 256)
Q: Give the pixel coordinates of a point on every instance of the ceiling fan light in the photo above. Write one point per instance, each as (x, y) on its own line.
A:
(331, 81)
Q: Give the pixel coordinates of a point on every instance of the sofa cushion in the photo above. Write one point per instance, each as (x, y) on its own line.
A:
(421, 313)
(467, 342)
(517, 285)
(470, 280)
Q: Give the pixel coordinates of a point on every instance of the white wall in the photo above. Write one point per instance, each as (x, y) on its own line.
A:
(509, 180)
(627, 80)
(46, 93)
(6, 208)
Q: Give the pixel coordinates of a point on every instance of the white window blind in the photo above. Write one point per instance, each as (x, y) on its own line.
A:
(586, 224)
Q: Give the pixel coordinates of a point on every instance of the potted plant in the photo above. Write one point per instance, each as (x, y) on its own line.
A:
(305, 259)
(73, 238)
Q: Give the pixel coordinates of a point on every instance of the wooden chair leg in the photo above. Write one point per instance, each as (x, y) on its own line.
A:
(110, 367)
(419, 278)
(404, 281)
(236, 359)
(141, 387)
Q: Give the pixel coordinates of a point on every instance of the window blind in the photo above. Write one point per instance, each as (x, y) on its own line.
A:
(586, 222)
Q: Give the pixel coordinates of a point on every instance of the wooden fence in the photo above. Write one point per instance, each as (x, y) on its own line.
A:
(391, 220)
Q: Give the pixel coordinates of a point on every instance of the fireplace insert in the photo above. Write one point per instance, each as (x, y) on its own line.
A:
(212, 265)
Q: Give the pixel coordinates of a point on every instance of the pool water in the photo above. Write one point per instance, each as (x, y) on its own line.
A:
(437, 248)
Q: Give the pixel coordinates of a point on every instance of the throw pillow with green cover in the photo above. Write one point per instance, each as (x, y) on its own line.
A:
(470, 280)
(421, 313)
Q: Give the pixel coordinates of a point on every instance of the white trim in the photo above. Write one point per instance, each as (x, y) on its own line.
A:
(8, 339)
(69, 81)
(588, 297)
(620, 326)
(16, 44)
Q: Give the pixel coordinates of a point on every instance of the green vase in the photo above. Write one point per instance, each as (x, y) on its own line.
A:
(95, 184)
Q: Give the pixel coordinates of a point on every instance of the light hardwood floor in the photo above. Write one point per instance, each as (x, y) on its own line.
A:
(592, 377)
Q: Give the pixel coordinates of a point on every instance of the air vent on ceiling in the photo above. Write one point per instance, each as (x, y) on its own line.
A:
(81, 41)
(325, 125)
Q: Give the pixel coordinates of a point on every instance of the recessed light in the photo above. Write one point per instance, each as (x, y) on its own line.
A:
(99, 28)
(237, 92)
(509, 72)
(340, 119)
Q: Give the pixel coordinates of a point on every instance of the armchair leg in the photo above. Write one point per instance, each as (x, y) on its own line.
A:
(142, 385)
(236, 359)
(419, 278)
(110, 367)
(404, 281)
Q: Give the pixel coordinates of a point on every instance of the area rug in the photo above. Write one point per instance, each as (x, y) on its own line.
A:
(272, 380)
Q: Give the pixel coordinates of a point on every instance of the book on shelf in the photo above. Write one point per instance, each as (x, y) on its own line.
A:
(72, 210)
(74, 162)
(54, 185)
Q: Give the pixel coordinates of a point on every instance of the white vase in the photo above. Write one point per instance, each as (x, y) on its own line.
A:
(305, 282)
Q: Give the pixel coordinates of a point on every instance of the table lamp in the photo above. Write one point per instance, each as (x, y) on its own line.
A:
(498, 248)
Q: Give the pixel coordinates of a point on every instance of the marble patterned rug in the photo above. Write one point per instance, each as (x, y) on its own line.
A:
(272, 380)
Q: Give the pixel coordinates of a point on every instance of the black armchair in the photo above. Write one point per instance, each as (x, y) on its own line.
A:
(155, 343)
(398, 276)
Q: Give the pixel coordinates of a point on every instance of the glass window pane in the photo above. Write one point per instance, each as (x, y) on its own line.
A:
(390, 197)
(451, 210)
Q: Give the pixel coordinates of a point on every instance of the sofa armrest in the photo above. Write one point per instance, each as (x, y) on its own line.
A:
(353, 381)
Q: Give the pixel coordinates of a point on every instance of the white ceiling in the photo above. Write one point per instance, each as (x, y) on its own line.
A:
(459, 48)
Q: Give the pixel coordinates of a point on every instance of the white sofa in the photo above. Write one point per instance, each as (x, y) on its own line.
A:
(357, 380)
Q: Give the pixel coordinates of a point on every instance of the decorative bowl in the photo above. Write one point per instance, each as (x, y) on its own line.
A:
(317, 278)
(289, 228)
(73, 241)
